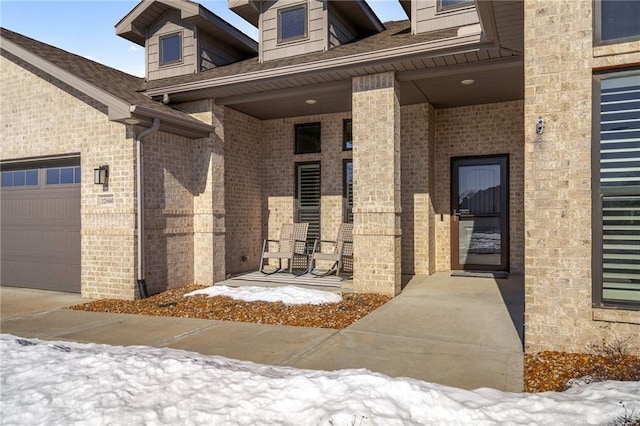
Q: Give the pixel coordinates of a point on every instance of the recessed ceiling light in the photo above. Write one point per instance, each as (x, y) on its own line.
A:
(132, 121)
(310, 101)
(467, 82)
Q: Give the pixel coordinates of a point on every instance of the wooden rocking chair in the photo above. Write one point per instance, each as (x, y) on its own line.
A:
(342, 249)
(291, 245)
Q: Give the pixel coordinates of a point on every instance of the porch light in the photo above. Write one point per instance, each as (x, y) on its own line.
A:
(310, 101)
(467, 82)
(100, 175)
(132, 121)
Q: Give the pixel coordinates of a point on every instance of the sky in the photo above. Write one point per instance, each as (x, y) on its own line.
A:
(86, 27)
(63, 382)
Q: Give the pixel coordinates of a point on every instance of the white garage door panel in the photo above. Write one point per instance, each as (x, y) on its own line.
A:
(40, 236)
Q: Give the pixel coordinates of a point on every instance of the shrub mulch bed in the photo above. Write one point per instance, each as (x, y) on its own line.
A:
(171, 303)
(545, 371)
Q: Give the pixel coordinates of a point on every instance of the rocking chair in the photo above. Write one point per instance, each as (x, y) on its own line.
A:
(342, 249)
(291, 245)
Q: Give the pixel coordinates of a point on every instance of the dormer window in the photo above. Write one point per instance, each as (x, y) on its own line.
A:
(170, 49)
(292, 23)
(446, 5)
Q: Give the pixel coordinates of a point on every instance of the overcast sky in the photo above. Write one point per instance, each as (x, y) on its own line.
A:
(86, 27)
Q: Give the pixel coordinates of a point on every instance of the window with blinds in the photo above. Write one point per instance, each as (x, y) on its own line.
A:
(618, 192)
(347, 191)
(308, 198)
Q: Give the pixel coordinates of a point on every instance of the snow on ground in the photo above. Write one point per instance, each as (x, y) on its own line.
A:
(72, 383)
(289, 295)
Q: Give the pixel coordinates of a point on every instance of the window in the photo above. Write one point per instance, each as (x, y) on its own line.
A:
(616, 21)
(292, 23)
(63, 175)
(307, 138)
(170, 49)
(308, 198)
(453, 4)
(616, 189)
(347, 135)
(347, 191)
(19, 178)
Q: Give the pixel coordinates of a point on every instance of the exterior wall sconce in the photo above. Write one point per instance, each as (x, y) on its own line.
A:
(100, 175)
(540, 125)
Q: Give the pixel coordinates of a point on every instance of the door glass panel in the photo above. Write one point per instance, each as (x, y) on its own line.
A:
(479, 208)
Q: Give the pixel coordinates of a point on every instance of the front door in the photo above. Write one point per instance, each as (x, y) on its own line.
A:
(480, 219)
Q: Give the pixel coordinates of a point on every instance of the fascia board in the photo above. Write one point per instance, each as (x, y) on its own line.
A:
(484, 9)
(118, 109)
(467, 43)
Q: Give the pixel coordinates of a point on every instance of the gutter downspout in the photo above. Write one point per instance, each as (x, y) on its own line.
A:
(142, 285)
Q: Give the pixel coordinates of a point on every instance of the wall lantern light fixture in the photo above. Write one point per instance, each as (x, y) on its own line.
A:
(100, 175)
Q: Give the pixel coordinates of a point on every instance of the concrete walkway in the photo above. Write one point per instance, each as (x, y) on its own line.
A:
(457, 331)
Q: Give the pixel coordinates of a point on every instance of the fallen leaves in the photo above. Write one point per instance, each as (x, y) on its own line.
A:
(550, 371)
(171, 303)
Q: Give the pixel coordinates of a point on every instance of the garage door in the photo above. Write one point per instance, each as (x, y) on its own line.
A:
(40, 226)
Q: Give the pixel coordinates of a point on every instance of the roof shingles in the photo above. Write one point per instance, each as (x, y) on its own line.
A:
(117, 83)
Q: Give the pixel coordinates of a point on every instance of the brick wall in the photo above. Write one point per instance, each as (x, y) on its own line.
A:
(244, 145)
(168, 182)
(479, 130)
(208, 166)
(40, 116)
(559, 65)
(376, 189)
(417, 206)
(278, 172)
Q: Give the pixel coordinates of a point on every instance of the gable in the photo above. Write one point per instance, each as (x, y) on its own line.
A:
(170, 24)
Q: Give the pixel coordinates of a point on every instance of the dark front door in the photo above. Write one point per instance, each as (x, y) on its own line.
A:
(479, 207)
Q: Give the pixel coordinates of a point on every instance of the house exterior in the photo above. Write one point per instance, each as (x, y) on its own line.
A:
(468, 137)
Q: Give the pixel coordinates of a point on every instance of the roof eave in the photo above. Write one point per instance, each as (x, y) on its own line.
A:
(460, 44)
(170, 123)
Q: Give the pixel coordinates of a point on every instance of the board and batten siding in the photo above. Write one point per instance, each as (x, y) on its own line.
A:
(315, 42)
(426, 17)
(170, 23)
(340, 31)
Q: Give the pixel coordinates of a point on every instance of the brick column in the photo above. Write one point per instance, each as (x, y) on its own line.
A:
(208, 204)
(376, 189)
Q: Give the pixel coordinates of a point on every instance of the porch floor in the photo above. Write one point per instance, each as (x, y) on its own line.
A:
(328, 283)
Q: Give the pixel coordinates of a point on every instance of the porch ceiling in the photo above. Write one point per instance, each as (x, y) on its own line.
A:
(430, 70)
(494, 81)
